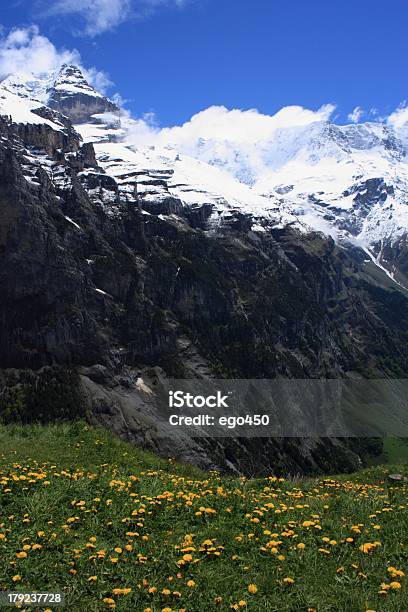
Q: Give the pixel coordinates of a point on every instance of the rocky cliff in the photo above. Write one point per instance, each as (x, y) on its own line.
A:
(102, 288)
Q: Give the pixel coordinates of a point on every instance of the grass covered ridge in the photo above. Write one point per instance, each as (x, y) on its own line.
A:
(114, 527)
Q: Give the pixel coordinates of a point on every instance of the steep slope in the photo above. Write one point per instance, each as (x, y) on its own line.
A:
(126, 265)
(350, 182)
(352, 188)
(65, 90)
(72, 95)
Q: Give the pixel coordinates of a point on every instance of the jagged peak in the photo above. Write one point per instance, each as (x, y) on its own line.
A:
(65, 90)
(71, 69)
(67, 80)
(72, 81)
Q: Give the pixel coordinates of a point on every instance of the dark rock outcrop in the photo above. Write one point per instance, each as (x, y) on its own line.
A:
(80, 102)
(42, 136)
(115, 299)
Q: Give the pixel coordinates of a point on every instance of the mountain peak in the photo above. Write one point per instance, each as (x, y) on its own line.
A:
(71, 68)
(72, 95)
(71, 81)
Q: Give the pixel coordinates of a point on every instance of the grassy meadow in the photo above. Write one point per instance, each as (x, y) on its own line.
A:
(116, 528)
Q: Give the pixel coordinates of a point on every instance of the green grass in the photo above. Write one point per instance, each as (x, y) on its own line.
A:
(396, 450)
(70, 495)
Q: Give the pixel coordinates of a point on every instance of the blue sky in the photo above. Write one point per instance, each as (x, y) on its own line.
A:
(178, 57)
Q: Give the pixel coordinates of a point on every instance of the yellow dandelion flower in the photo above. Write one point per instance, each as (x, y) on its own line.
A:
(109, 601)
(369, 546)
(395, 573)
(253, 589)
(385, 587)
(395, 585)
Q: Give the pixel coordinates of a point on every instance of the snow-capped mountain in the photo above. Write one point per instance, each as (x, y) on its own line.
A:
(65, 90)
(126, 260)
(349, 182)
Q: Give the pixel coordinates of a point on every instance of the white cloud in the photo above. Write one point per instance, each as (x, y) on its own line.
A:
(119, 100)
(100, 16)
(249, 126)
(98, 78)
(356, 115)
(399, 118)
(25, 50)
(244, 142)
(142, 131)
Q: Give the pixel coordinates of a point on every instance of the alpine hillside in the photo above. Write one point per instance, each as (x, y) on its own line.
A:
(123, 264)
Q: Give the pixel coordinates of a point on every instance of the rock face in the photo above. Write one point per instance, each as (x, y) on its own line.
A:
(72, 95)
(348, 181)
(116, 289)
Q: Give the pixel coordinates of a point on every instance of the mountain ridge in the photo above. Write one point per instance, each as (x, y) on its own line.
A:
(126, 263)
(349, 182)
